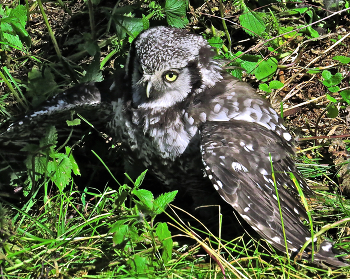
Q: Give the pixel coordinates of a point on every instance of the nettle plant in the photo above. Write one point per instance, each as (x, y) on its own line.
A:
(332, 82)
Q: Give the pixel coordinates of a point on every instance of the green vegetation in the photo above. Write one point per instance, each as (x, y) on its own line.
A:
(63, 229)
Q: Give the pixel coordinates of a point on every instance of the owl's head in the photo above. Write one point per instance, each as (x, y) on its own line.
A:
(166, 65)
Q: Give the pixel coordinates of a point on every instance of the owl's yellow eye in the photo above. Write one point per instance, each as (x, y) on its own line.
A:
(170, 76)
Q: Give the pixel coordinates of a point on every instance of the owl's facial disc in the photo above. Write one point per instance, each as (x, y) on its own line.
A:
(167, 77)
(162, 88)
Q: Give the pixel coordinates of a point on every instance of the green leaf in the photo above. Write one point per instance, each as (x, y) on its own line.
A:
(13, 40)
(333, 89)
(326, 74)
(332, 112)
(138, 263)
(145, 22)
(342, 59)
(175, 11)
(90, 45)
(264, 87)
(252, 23)
(50, 138)
(162, 201)
(140, 179)
(332, 80)
(41, 85)
(74, 122)
(247, 61)
(216, 42)
(298, 10)
(345, 95)
(40, 163)
(313, 71)
(93, 72)
(73, 163)
(330, 98)
(164, 236)
(276, 84)
(266, 68)
(337, 78)
(126, 25)
(120, 233)
(30, 148)
(20, 14)
(146, 198)
(60, 169)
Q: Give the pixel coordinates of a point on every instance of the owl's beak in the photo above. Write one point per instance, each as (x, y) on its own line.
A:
(148, 88)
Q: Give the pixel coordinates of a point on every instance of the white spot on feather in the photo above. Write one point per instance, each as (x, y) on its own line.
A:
(217, 108)
(276, 239)
(327, 247)
(219, 184)
(239, 167)
(287, 136)
(203, 117)
(263, 171)
(245, 217)
(249, 147)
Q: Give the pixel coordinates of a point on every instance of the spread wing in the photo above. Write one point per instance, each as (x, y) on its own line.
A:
(237, 156)
(91, 100)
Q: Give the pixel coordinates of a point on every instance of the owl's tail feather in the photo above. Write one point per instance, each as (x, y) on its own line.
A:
(326, 254)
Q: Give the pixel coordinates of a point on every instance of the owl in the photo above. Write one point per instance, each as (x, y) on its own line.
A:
(198, 129)
(194, 126)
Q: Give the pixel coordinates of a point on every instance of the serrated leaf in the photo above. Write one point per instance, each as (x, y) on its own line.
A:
(138, 264)
(60, 169)
(252, 23)
(41, 85)
(30, 148)
(162, 201)
(74, 122)
(216, 42)
(13, 40)
(91, 47)
(21, 33)
(164, 236)
(140, 179)
(93, 72)
(40, 163)
(175, 11)
(50, 138)
(238, 73)
(126, 25)
(146, 198)
(266, 68)
(120, 233)
(20, 14)
(74, 164)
